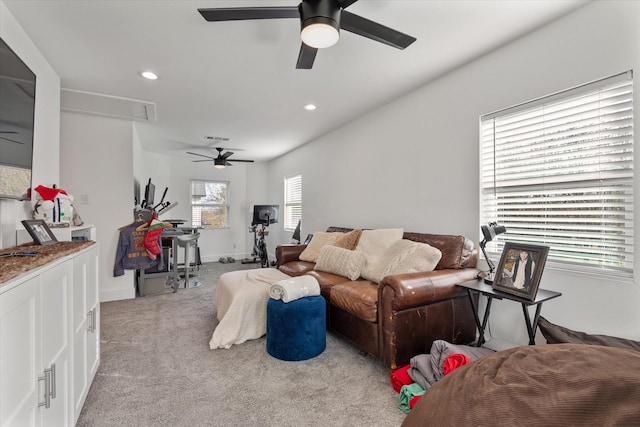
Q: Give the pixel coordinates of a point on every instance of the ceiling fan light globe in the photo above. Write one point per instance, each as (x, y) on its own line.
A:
(319, 35)
(218, 166)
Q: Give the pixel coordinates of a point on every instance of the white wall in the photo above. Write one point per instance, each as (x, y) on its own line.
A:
(97, 161)
(245, 189)
(414, 162)
(46, 136)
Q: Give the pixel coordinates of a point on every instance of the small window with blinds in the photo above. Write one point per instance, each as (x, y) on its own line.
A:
(558, 171)
(209, 204)
(292, 201)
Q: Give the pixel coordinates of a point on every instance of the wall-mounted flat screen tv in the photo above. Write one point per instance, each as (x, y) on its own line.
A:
(17, 107)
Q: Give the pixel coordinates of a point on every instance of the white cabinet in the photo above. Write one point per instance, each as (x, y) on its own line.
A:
(49, 341)
(56, 288)
(86, 325)
(20, 361)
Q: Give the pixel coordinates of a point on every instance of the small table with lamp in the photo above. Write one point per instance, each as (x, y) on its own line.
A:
(491, 294)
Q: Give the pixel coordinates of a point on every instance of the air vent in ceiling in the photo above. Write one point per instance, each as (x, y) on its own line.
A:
(77, 101)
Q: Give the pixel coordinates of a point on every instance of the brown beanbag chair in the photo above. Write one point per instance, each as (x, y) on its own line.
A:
(543, 385)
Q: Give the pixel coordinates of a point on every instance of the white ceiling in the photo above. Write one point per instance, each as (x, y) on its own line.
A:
(238, 80)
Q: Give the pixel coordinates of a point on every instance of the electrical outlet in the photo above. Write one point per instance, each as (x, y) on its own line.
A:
(234, 246)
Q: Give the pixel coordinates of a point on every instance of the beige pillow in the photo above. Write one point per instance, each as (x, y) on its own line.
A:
(406, 256)
(319, 239)
(340, 261)
(374, 244)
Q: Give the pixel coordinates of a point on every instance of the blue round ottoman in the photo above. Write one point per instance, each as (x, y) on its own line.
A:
(296, 330)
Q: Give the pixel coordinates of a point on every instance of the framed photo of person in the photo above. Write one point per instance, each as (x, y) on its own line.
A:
(39, 231)
(520, 269)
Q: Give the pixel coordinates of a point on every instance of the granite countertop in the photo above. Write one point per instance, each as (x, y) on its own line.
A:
(12, 266)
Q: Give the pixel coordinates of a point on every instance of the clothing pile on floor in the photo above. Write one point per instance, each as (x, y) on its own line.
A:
(424, 370)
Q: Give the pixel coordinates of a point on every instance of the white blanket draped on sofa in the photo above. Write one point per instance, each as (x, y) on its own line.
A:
(241, 305)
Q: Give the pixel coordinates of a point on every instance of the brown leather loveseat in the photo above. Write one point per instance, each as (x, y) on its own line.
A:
(403, 314)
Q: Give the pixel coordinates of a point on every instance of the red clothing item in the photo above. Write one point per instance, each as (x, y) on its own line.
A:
(400, 377)
(414, 400)
(454, 361)
(49, 193)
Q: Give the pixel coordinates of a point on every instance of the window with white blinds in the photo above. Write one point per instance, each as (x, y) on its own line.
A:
(209, 204)
(292, 201)
(558, 171)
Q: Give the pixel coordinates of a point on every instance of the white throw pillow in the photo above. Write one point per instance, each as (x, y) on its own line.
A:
(319, 239)
(374, 244)
(340, 261)
(407, 256)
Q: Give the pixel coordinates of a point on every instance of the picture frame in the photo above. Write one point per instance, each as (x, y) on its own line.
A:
(39, 231)
(525, 284)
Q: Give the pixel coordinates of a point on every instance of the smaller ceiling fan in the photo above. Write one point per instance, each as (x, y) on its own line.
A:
(221, 161)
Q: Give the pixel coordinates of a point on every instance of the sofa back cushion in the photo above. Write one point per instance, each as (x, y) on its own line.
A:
(456, 250)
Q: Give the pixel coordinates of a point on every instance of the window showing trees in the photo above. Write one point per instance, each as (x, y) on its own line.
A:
(292, 201)
(209, 204)
(558, 171)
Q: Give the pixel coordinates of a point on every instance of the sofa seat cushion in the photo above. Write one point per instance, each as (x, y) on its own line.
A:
(326, 281)
(296, 268)
(359, 298)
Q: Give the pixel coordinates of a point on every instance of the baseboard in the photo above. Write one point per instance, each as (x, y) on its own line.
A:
(117, 294)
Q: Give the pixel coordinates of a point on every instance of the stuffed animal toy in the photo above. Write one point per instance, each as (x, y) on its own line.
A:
(53, 205)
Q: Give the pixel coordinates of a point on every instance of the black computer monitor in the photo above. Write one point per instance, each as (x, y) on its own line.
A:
(149, 195)
(296, 233)
(265, 214)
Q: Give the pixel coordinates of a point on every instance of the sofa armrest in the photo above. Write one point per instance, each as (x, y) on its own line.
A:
(416, 309)
(288, 252)
(404, 291)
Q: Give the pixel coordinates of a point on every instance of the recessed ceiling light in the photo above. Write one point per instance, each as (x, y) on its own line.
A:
(149, 75)
(309, 107)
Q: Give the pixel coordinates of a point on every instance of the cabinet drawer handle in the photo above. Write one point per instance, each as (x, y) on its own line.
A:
(47, 388)
(93, 325)
(90, 322)
(52, 392)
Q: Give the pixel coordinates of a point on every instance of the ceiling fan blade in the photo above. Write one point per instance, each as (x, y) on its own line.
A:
(8, 131)
(306, 57)
(226, 155)
(11, 140)
(209, 160)
(244, 13)
(374, 31)
(240, 160)
(346, 3)
(201, 155)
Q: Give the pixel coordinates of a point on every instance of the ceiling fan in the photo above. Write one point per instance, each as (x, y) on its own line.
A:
(221, 161)
(320, 20)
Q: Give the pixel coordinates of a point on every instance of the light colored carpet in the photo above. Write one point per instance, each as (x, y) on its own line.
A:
(157, 370)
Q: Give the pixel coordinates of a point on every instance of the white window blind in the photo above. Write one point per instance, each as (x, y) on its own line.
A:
(292, 201)
(209, 204)
(558, 171)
